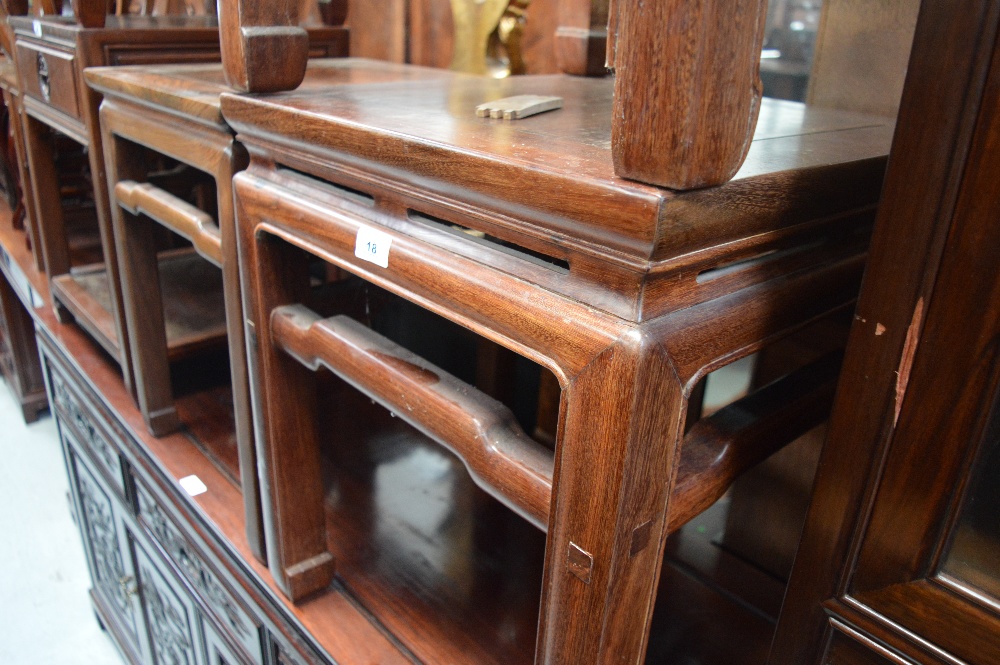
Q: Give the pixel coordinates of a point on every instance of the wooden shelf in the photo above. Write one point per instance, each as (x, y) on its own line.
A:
(452, 573)
(712, 608)
(192, 294)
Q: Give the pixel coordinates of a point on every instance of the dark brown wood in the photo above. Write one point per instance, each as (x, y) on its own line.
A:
(173, 212)
(741, 435)
(174, 111)
(212, 521)
(264, 49)
(615, 236)
(59, 41)
(14, 102)
(687, 90)
(540, 192)
(91, 13)
(918, 392)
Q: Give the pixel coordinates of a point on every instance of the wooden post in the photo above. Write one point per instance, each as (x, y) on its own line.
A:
(687, 89)
(91, 13)
(263, 47)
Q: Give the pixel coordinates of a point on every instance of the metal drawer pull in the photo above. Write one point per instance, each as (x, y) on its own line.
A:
(173, 212)
(129, 587)
(481, 431)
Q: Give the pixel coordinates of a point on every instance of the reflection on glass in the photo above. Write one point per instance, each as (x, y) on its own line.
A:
(974, 554)
(788, 47)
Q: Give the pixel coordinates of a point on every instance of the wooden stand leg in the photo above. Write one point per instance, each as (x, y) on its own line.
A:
(140, 281)
(287, 438)
(44, 191)
(249, 483)
(607, 527)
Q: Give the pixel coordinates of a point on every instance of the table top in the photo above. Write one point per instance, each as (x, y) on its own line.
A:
(554, 170)
(194, 91)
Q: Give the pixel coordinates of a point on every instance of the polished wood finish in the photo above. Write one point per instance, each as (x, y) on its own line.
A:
(122, 40)
(548, 283)
(630, 248)
(174, 111)
(918, 392)
(257, 36)
(687, 90)
(25, 214)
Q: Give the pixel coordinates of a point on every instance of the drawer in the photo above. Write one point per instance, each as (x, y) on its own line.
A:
(86, 423)
(227, 612)
(49, 75)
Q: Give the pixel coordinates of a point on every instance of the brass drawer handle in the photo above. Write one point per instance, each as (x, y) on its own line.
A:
(129, 587)
(43, 77)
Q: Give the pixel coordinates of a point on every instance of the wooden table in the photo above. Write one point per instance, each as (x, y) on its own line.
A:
(76, 242)
(174, 111)
(512, 245)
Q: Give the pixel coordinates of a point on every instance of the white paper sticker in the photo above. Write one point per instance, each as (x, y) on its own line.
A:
(373, 245)
(37, 28)
(193, 485)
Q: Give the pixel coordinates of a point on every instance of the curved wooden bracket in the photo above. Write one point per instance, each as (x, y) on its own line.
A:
(174, 213)
(718, 449)
(481, 431)
(263, 47)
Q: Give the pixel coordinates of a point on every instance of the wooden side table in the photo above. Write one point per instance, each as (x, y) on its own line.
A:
(434, 227)
(173, 111)
(52, 53)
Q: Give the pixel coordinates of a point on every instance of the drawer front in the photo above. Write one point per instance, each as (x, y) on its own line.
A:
(226, 610)
(85, 422)
(49, 75)
(162, 54)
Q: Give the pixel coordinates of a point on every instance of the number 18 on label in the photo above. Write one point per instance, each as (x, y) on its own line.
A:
(372, 245)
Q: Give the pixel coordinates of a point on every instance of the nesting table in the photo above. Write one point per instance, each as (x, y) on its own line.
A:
(458, 247)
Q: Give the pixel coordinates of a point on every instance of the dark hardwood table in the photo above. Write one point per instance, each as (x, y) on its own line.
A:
(75, 229)
(411, 252)
(173, 111)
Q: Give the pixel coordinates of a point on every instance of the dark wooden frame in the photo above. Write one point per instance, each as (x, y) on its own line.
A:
(919, 379)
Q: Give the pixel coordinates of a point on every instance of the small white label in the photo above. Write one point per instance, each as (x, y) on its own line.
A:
(37, 28)
(193, 485)
(373, 245)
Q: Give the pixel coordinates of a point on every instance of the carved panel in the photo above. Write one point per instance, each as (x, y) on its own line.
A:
(194, 568)
(104, 547)
(169, 618)
(81, 420)
(216, 650)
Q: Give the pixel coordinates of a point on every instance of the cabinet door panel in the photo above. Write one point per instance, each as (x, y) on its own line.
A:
(106, 549)
(169, 612)
(217, 651)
